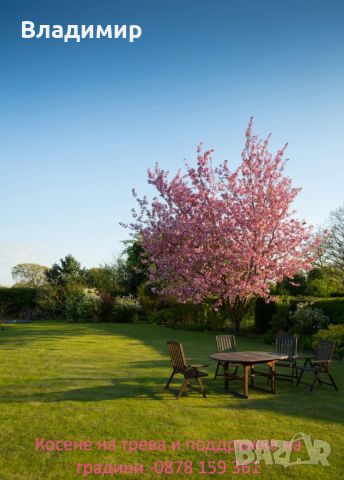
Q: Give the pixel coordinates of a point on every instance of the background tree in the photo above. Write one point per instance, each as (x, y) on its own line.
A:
(222, 235)
(29, 275)
(105, 278)
(324, 281)
(334, 243)
(132, 271)
(69, 271)
(295, 286)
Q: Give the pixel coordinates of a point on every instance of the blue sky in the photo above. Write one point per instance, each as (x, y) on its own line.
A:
(80, 123)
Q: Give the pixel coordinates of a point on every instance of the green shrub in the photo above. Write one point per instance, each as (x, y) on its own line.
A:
(150, 301)
(332, 307)
(83, 305)
(189, 316)
(163, 317)
(334, 333)
(306, 321)
(48, 301)
(126, 310)
(269, 337)
(195, 327)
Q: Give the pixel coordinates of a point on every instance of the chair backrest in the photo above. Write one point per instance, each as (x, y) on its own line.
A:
(324, 350)
(286, 345)
(225, 343)
(176, 352)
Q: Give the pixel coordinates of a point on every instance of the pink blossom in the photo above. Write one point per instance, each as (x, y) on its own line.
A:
(213, 233)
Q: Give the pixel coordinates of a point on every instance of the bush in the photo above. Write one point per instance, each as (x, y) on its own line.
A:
(14, 300)
(126, 310)
(107, 302)
(306, 321)
(263, 314)
(334, 333)
(269, 337)
(332, 307)
(163, 317)
(83, 305)
(150, 301)
(48, 301)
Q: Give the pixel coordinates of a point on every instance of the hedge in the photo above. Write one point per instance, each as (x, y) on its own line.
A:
(263, 314)
(16, 299)
(332, 307)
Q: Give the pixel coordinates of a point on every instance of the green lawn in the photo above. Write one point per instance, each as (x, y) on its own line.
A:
(104, 381)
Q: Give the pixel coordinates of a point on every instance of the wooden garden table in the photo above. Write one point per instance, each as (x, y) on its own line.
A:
(248, 360)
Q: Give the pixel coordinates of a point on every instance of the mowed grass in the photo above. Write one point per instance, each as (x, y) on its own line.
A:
(105, 381)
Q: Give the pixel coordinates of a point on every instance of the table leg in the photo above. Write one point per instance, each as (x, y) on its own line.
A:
(252, 376)
(273, 377)
(246, 371)
(226, 374)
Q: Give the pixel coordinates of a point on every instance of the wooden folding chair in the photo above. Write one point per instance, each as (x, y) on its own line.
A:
(180, 365)
(318, 365)
(287, 345)
(225, 343)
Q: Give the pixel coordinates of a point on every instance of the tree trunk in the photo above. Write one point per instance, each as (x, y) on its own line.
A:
(237, 310)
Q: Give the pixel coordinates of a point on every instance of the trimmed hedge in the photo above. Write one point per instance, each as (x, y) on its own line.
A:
(263, 314)
(14, 300)
(332, 307)
(189, 316)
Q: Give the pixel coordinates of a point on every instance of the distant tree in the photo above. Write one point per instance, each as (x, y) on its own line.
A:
(334, 243)
(292, 286)
(132, 270)
(69, 271)
(323, 282)
(29, 274)
(105, 278)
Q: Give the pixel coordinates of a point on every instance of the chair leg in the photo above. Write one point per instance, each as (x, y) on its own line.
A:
(169, 380)
(185, 383)
(332, 379)
(299, 377)
(316, 378)
(201, 386)
(293, 373)
(217, 370)
(226, 374)
(234, 372)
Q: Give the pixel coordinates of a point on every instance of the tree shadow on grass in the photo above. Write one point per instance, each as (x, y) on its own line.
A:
(153, 336)
(26, 335)
(119, 388)
(289, 400)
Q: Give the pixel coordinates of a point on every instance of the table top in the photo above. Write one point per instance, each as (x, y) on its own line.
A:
(248, 357)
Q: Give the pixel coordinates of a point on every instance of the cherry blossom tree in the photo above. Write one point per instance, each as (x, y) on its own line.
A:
(214, 234)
